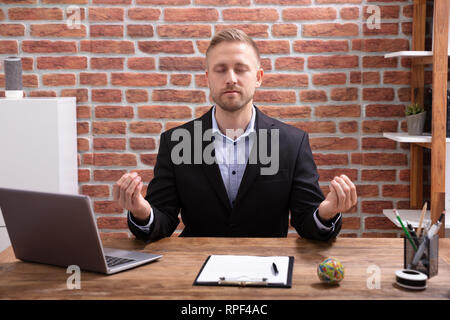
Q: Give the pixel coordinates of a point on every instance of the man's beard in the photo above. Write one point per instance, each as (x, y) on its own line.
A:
(231, 105)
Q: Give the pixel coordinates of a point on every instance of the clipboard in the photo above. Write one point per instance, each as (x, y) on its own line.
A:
(246, 271)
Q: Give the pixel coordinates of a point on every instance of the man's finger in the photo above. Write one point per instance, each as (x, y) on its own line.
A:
(130, 191)
(340, 195)
(124, 186)
(353, 195)
(347, 201)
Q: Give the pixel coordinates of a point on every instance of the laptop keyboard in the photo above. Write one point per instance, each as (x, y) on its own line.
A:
(114, 261)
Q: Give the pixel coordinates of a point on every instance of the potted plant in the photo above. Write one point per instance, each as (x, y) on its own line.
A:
(415, 118)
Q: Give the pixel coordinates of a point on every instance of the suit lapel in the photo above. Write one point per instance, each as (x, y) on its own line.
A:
(253, 170)
(212, 171)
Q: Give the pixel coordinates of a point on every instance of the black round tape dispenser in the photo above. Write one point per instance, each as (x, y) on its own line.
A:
(411, 279)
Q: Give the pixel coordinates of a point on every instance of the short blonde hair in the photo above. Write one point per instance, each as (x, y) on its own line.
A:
(231, 35)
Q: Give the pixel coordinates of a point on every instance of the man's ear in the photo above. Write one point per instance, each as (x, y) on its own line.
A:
(259, 76)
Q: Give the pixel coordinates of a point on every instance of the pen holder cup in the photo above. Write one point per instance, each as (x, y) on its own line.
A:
(428, 263)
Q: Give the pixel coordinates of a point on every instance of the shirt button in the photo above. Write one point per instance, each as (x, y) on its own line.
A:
(234, 143)
(213, 138)
(234, 172)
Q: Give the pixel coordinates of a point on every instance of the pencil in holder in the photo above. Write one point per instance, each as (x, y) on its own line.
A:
(428, 263)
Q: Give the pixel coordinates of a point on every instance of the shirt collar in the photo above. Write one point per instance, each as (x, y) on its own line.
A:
(250, 127)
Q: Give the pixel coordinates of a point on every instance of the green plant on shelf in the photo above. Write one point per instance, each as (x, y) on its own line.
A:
(413, 108)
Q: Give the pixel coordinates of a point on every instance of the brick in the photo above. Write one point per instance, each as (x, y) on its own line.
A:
(161, 112)
(386, 12)
(64, 1)
(314, 46)
(84, 175)
(83, 112)
(315, 126)
(116, 2)
(184, 31)
(378, 94)
(62, 79)
(195, 96)
(114, 112)
(148, 159)
(112, 223)
(141, 63)
(136, 95)
(378, 143)
(287, 111)
(42, 93)
(326, 175)
(274, 96)
(245, 14)
(107, 46)
(144, 14)
(57, 31)
(334, 143)
(35, 14)
(330, 30)
(350, 13)
(384, 159)
(166, 46)
(106, 95)
(110, 143)
(290, 63)
(82, 144)
(379, 223)
(9, 46)
(337, 111)
(93, 79)
(47, 46)
(285, 80)
(137, 30)
(327, 79)
(344, 94)
(223, 2)
(182, 63)
(117, 127)
(348, 126)
(12, 30)
(107, 63)
(395, 191)
(273, 46)
(333, 62)
(302, 14)
(397, 77)
(252, 30)
(197, 14)
(329, 159)
(382, 45)
(98, 191)
(108, 175)
(313, 96)
(138, 79)
(283, 2)
(106, 14)
(366, 191)
(284, 30)
(353, 223)
(404, 94)
(27, 63)
(164, 2)
(81, 94)
(61, 62)
(98, 30)
(142, 144)
(375, 206)
(378, 175)
(145, 127)
(107, 207)
(180, 79)
(379, 62)
(379, 126)
(384, 29)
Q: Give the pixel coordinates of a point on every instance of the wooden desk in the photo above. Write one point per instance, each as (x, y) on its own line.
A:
(172, 276)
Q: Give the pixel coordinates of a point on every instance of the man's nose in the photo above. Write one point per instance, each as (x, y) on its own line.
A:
(231, 77)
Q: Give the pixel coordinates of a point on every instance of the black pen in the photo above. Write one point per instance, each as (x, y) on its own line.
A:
(274, 269)
(413, 233)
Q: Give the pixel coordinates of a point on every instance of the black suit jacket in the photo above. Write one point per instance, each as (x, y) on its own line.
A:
(262, 204)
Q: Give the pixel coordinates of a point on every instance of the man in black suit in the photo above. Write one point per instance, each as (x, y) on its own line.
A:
(234, 172)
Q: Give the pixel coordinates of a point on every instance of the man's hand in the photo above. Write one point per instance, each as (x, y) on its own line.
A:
(127, 192)
(341, 198)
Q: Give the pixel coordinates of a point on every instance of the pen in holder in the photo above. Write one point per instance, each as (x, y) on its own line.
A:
(428, 263)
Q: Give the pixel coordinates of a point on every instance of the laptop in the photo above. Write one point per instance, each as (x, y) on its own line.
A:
(60, 229)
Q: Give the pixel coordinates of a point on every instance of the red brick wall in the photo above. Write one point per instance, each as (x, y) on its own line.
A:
(136, 68)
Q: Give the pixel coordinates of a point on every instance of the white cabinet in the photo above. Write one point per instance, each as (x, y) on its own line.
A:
(38, 147)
